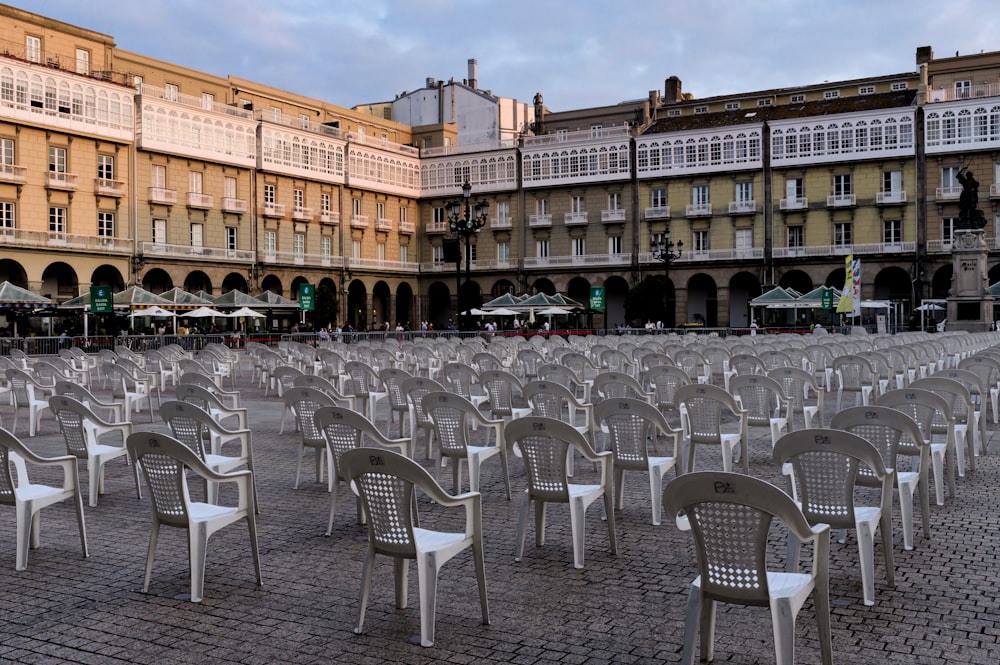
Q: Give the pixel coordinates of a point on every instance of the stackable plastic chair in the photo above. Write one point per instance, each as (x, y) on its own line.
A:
(765, 403)
(29, 498)
(29, 396)
(387, 484)
(166, 463)
(800, 388)
(702, 407)
(730, 517)
(88, 399)
(824, 469)
(544, 444)
(304, 402)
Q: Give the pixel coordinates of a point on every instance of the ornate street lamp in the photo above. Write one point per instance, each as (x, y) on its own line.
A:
(662, 249)
(464, 221)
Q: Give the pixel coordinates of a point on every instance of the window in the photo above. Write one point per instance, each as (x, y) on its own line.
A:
(195, 180)
(674, 113)
(207, 101)
(962, 89)
(159, 231)
(843, 185)
(275, 114)
(579, 246)
(380, 252)
(732, 106)
(106, 224)
(229, 187)
(404, 253)
(57, 220)
(615, 201)
(503, 251)
(842, 235)
(324, 203)
(298, 198)
(7, 216)
(299, 246)
(197, 234)
(798, 99)
(57, 160)
(831, 94)
(7, 152)
(949, 178)
(439, 216)
(542, 249)
(577, 204)
(765, 102)
(137, 82)
(795, 189)
(614, 245)
(170, 92)
(796, 237)
(503, 210)
(325, 247)
(699, 195)
(106, 167)
(701, 109)
(744, 241)
(304, 121)
(82, 61)
(744, 192)
(542, 206)
(356, 207)
(231, 238)
(158, 176)
(948, 228)
(269, 195)
(866, 90)
(892, 231)
(700, 239)
(892, 182)
(33, 48)
(437, 254)
(356, 250)
(380, 210)
(658, 198)
(270, 244)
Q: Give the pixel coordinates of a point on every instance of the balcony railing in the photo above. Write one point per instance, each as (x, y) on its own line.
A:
(842, 250)
(101, 244)
(972, 92)
(200, 201)
(162, 196)
(494, 264)
(302, 214)
(613, 216)
(574, 218)
(409, 228)
(841, 200)
(578, 261)
(693, 256)
(698, 210)
(329, 217)
(437, 266)
(14, 174)
(580, 136)
(539, 220)
(59, 180)
(939, 246)
(658, 212)
(383, 224)
(500, 223)
(106, 187)
(796, 203)
(273, 210)
(359, 221)
(302, 259)
(381, 264)
(436, 227)
(952, 192)
(742, 207)
(167, 250)
(994, 190)
(229, 204)
(890, 198)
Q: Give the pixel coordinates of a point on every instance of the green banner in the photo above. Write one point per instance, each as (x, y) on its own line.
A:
(827, 300)
(101, 299)
(307, 297)
(597, 297)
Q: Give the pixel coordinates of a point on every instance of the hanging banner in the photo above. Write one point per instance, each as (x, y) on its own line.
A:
(856, 287)
(846, 304)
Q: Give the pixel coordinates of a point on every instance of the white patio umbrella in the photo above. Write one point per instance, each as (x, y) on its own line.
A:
(203, 312)
(502, 311)
(476, 312)
(246, 311)
(155, 310)
(554, 311)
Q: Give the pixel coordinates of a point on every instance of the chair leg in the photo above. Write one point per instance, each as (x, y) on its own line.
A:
(366, 583)
(153, 536)
(906, 514)
(480, 563)
(866, 552)
(427, 574)
(691, 626)
(27, 533)
(578, 520)
(522, 524)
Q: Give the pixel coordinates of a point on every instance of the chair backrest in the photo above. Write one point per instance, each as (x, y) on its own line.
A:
(461, 378)
(888, 429)
(794, 382)
(825, 463)
(632, 424)
(548, 398)
(759, 395)
(363, 378)
(21, 385)
(543, 443)
(415, 388)
(304, 402)
(956, 394)
(318, 382)
(200, 396)
(500, 386)
(730, 516)
(386, 481)
(450, 414)
(665, 380)
(343, 430)
(854, 371)
(163, 461)
(617, 384)
(72, 417)
(703, 406)
(924, 406)
(198, 379)
(392, 378)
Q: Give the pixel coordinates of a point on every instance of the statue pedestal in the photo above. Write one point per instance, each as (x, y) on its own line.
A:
(970, 303)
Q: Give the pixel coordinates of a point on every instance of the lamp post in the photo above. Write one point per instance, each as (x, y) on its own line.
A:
(662, 249)
(464, 220)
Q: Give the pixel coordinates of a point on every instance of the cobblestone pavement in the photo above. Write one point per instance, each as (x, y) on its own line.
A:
(627, 608)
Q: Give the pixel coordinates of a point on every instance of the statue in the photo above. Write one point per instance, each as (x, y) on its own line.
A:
(969, 215)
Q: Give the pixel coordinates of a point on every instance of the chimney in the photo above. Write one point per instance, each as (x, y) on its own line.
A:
(672, 90)
(473, 74)
(924, 55)
(430, 82)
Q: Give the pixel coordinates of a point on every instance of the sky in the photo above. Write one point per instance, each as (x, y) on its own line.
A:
(577, 53)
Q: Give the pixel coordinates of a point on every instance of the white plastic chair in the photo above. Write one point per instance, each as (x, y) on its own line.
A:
(702, 408)
(824, 468)
(730, 516)
(29, 396)
(765, 403)
(543, 443)
(165, 463)
(88, 399)
(28, 498)
(386, 483)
